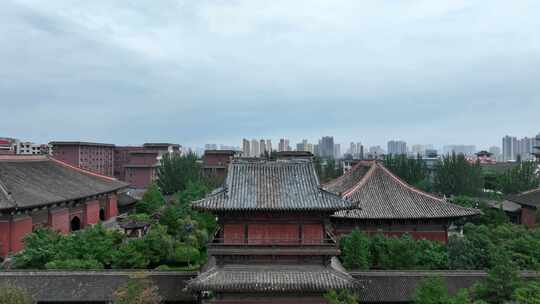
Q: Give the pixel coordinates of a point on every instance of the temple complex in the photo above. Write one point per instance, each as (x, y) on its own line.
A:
(275, 244)
(386, 204)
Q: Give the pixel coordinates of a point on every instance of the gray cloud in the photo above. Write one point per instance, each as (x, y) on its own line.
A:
(215, 71)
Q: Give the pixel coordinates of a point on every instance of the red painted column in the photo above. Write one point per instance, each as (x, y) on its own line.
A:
(528, 217)
(59, 220)
(20, 227)
(111, 209)
(91, 213)
(5, 236)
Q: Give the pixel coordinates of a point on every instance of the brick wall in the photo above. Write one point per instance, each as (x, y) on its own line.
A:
(91, 213)
(20, 227)
(111, 208)
(59, 220)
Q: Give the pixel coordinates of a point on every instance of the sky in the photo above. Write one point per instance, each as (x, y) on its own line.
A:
(195, 72)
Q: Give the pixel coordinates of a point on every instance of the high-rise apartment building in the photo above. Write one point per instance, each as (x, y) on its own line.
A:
(269, 146)
(509, 148)
(337, 151)
(326, 147)
(356, 150)
(246, 148)
(304, 146)
(467, 150)
(537, 147)
(255, 151)
(495, 153)
(397, 147)
(284, 145)
(262, 147)
(525, 148)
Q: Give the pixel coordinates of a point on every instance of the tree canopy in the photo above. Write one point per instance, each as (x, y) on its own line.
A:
(454, 175)
(412, 170)
(176, 171)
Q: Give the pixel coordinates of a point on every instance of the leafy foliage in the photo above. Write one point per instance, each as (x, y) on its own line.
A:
(74, 264)
(355, 250)
(137, 292)
(454, 175)
(151, 201)
(520, 178)
(380, 252)
(528, 293)
(473, 251)
(501, 282)
(91, 248)
(412, 170)
(489, 216)
(14, 295)
(177, 171)
(342, 296)
(431, 291)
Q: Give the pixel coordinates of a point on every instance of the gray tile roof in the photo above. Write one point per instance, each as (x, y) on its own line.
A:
(529, 198)
(38, 180)
(272, 185)
(379, 194)
(272, 278)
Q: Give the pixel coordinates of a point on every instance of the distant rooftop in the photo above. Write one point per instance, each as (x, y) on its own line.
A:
(78, 143)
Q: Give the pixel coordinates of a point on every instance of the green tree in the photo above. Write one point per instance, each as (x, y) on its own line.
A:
(521, 178)
(454, 175)
(355, 251)
(131, 255)
(398, 253)
(72, 264)
(528, 293)
(342, 296)
(14, 295)
(501, 282)
(151, 201)
(140, 291)
(176, 171)
(40, 248)
(330, 171)
(431, 291)
(473, 250)
(412, 170)
(318, 168)
(431, 255)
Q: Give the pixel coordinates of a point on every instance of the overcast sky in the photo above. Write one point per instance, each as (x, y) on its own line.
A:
(195, 72)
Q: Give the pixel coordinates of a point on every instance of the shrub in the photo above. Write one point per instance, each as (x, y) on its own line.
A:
(342, 296)
(431, 291)
(137, 292)
(74, 264)
(529, 293)
(14, 295)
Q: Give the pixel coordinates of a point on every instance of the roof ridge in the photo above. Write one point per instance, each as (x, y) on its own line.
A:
(528, 191)
(346, 174)
(408, 186)
(362, 181)
(7, 194)
(87, 172)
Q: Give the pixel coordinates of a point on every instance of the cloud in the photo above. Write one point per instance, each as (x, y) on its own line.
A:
(201, 71)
